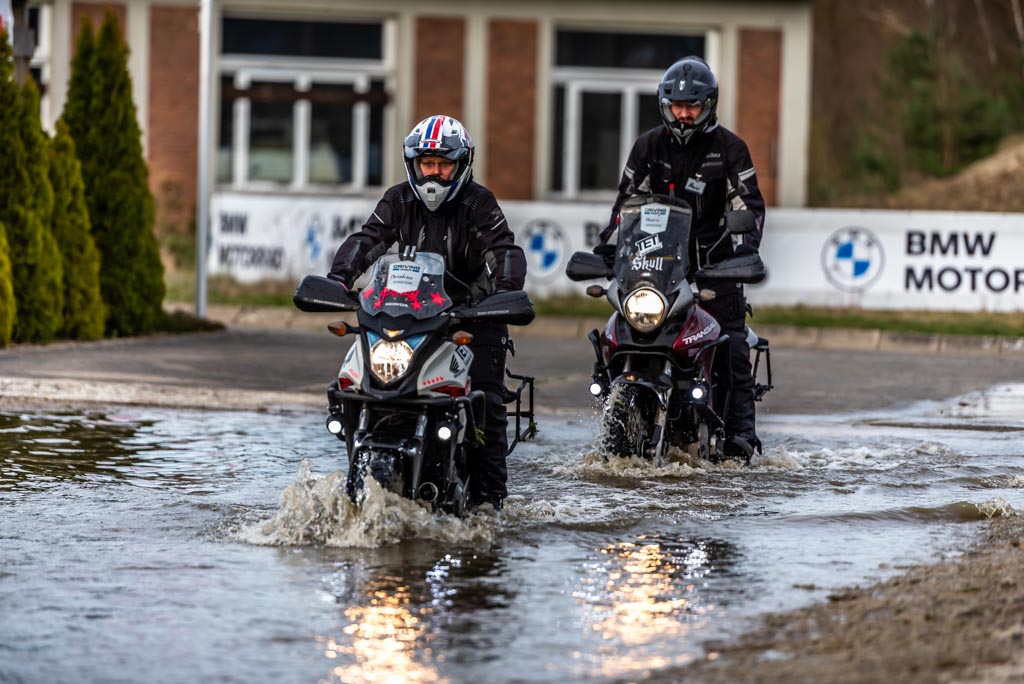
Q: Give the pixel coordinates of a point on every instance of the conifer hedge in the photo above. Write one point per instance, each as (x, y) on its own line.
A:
(102, 121)
(8, 310)
(26, 204)
(84, 314)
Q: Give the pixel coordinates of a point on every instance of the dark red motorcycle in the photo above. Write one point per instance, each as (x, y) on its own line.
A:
(663, 364)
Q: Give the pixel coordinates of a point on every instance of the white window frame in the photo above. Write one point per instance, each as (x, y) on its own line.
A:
(629, 83)
(41, 59)
(579, 80)
(303, 73)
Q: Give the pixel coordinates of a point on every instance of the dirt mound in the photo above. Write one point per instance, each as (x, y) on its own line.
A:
(992, 184)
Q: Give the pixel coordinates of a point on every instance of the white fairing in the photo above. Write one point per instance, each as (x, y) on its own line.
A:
(352, 367)
(446, 367)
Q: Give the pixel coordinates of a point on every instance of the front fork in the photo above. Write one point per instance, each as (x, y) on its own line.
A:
(661, 415)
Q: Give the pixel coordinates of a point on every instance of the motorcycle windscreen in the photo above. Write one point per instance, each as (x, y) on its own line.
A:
(406, 288)
(653, 245)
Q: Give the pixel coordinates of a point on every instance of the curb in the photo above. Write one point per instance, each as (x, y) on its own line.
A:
(781, 337)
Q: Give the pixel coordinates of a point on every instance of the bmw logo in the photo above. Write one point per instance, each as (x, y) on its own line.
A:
(314, 237)
(545, 247)
(852, 259)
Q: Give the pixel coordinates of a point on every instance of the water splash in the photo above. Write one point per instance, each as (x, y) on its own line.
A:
(997, 508)
(597, 463)
(315, 509)
(779, 457)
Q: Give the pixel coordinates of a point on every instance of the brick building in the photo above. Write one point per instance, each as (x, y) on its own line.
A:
(314, 96)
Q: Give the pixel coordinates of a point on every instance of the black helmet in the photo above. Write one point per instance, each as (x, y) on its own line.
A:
(438, 136)
(689, 80)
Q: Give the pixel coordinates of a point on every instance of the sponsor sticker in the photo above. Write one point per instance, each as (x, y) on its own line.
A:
(643, 264)
(654, 218)
(404, 276)
(647, 245)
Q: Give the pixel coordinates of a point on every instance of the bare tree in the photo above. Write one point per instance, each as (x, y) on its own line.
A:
(987, 32)
(1018, 22)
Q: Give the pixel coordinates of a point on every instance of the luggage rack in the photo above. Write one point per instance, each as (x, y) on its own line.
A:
(529, 431)
(761, 389)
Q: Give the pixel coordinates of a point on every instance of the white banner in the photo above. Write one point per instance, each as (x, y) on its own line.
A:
(870, 259)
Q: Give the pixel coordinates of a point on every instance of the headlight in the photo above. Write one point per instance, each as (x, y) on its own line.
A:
(390, 360)
(645, 309)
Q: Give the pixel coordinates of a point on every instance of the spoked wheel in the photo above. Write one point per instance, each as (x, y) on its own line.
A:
(457, 501)
(702, 437)
(703, 441)
(383, 466)
(627, 422)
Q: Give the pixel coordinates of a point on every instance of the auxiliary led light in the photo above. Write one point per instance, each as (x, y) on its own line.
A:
(334, 426)
(444, 433)
(596, 389)
(697, 392)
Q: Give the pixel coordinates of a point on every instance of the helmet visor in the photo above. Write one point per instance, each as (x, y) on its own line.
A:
(669, 115)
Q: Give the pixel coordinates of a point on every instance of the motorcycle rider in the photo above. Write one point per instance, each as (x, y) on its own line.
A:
(441, 209)
(693, 157)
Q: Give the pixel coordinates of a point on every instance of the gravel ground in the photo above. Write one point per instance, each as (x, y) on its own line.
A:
(960, 620)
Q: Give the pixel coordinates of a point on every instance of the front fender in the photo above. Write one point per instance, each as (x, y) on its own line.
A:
(660, 390)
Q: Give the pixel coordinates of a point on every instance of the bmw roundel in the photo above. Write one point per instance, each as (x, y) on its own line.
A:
(545, 247)
(852, 259)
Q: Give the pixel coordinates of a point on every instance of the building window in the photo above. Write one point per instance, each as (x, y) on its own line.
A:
(603, 97)
(39, 22)
(303, 105)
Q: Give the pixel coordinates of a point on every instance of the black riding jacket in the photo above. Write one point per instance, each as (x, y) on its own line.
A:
(471, 234)
(721, 178)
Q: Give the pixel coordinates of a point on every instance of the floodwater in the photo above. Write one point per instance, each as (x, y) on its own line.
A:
(168, 546)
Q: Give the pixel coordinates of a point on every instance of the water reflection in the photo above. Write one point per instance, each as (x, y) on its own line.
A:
(411, 621)
(40, 450)
(187, 450)
(386, 639)
(639, 595)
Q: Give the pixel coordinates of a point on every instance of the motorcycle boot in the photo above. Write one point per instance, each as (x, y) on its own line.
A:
(729, 309)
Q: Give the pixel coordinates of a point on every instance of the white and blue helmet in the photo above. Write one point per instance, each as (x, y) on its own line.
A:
(439, 136)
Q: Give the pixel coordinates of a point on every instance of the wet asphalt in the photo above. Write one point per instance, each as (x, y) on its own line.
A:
(303, 361)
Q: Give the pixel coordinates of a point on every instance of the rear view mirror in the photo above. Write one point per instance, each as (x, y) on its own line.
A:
(587, 266)
(317, 294)
(740, 222)
(513, 307)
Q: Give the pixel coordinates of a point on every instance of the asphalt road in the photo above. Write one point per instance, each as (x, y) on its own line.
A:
(238, 363)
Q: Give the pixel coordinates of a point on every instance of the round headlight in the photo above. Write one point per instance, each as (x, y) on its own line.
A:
(645, 309)
(390, 360)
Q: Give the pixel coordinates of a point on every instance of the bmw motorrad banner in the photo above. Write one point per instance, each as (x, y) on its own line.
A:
(893, 259)
(816, 257)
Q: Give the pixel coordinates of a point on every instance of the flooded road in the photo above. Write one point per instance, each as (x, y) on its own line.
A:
(178, 545)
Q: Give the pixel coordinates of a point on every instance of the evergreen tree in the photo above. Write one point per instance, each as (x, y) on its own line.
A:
(26, 203)
(8, 310)
(102, 120)
(84, 316)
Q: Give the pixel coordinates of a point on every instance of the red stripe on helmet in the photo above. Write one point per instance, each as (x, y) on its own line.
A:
(434, 129)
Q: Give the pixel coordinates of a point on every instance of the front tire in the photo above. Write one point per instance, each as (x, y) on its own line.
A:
(383, 466)
(627, 421)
